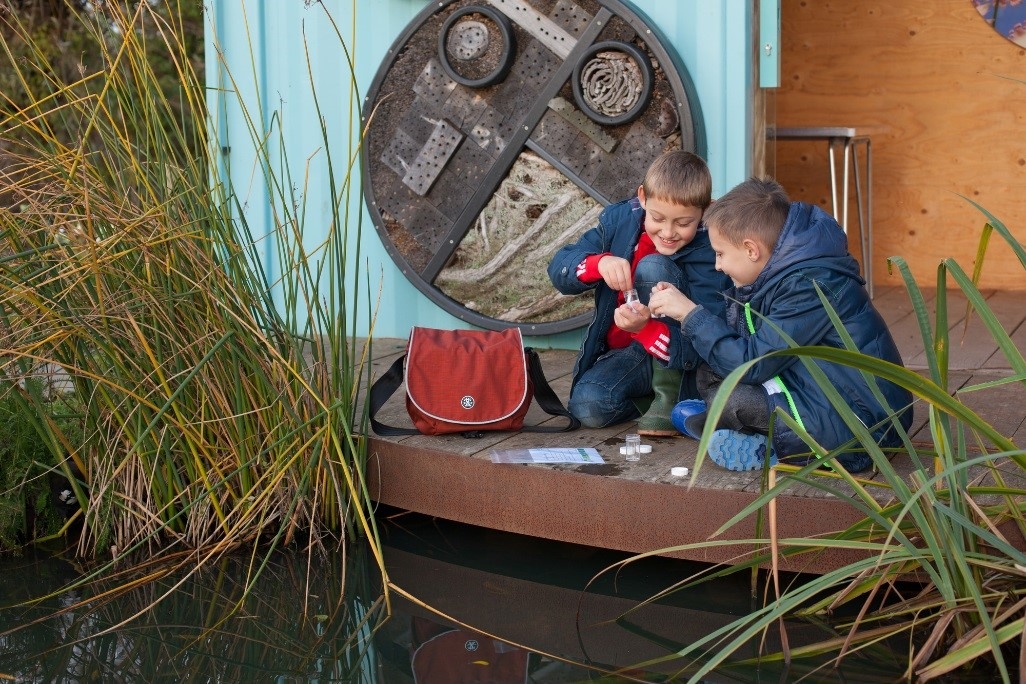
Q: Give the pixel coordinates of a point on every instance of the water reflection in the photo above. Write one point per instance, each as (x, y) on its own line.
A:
(297, 625)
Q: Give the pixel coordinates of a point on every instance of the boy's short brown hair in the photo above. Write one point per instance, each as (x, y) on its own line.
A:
(754, 209)
(679, 177)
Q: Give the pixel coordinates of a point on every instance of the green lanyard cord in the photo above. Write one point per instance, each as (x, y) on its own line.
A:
(776, 378)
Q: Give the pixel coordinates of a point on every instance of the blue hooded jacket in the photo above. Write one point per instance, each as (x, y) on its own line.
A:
(618, 231)
(812, 250)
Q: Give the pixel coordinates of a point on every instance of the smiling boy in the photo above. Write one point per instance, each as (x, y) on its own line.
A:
(781, 255)
(629, 360)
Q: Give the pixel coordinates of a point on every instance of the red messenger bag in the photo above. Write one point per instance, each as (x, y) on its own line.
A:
(467, 381)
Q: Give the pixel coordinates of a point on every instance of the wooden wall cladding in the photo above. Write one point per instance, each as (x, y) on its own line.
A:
(943, 97)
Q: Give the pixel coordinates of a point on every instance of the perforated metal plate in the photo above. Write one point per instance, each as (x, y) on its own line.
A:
(472, 187)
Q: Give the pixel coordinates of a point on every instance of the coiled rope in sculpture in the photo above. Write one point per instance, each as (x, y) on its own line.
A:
(611, 83)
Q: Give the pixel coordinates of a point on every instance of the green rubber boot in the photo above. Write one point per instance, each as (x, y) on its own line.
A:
(656, 422)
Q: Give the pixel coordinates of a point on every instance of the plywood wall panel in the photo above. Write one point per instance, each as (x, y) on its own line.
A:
(944, 98)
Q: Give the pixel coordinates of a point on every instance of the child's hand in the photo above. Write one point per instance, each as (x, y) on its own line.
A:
(666, 300)
(616, 272)
(631, 320)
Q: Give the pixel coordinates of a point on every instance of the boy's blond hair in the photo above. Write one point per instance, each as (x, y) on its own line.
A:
(679, 177)
(755, 209)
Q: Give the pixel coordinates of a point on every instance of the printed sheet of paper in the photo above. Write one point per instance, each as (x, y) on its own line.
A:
(554, 455)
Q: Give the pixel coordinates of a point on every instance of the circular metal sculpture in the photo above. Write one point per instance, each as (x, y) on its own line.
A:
(495, 134)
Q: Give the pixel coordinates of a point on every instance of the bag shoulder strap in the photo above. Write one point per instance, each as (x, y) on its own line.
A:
(546, 398)
(385, 386)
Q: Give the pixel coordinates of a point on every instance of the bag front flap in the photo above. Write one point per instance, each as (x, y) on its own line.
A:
(473, 377)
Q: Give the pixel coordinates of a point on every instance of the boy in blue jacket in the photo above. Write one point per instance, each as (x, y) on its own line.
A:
(777, 252)
(628, 355)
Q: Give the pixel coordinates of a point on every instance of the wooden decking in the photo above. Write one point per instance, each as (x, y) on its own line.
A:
(641, 507)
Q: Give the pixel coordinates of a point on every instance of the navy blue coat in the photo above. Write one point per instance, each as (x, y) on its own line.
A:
(619, 228)
(812, 248)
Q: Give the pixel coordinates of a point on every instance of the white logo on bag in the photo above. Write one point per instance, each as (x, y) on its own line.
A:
(471, 645)
(467, 402)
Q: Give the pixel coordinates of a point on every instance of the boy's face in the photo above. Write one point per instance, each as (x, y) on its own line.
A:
(742, 263)
(671, 226)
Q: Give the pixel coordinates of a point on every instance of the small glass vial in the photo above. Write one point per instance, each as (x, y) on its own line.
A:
(632, 447)
(630, 297)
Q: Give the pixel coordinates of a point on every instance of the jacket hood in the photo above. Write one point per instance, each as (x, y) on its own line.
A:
(810, 237)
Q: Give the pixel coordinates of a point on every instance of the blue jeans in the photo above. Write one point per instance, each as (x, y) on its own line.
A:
(654, 268)
(603, 395)
(605, 392)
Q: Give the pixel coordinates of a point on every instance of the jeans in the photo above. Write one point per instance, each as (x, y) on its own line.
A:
(747, 407)
(603, 395)
(654, 268)
(605, 392)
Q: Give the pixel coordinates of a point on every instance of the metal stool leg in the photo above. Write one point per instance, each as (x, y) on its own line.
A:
(833, 178)
(865, 226)
(844, 194)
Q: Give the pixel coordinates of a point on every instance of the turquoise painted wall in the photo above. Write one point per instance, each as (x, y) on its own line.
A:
(264, 55)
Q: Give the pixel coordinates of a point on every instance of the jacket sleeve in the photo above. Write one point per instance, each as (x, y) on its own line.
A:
(795, 311)
(704, 286)
(563, 266)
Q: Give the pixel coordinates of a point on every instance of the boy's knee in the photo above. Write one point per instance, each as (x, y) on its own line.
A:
(654, 268)
(590, 404)
(588, 420)
(586, 413)
(585, 406)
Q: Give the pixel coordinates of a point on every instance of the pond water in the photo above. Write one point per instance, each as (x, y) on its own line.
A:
(506, 609)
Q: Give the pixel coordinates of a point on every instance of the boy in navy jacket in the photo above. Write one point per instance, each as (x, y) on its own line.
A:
(628, 355)
(777, 252)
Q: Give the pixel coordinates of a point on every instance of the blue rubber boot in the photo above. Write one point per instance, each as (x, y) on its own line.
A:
(737, 451)
(683, 411)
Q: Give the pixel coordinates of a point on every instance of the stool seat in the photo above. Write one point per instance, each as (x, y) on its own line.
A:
(848, 139)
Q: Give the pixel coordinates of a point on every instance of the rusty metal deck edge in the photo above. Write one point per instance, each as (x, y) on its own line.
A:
(594, 510)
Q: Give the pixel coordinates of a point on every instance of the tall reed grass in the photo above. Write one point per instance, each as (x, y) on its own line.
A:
(218, 406)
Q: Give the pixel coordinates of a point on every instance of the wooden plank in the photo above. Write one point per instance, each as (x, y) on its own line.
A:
(956, 302)
(892, 302)
(543, 29)
(895, 306)
(1001, 406)
(973, 345)
(920, 431)
(432, 158)
(1012, 314)
(576, 118)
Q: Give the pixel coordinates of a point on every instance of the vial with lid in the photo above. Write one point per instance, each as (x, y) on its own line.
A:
(632, 447)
